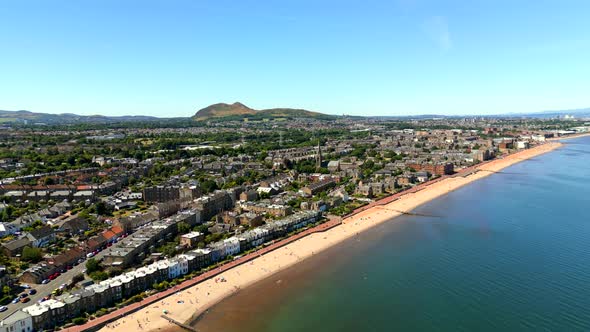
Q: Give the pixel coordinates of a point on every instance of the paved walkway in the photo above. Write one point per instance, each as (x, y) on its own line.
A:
(96, 324)
(99, 322)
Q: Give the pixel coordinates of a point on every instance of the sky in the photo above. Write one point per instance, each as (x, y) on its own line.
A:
(398, 57)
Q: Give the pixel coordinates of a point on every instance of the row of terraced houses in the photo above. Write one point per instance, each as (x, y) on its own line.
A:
(54, 312)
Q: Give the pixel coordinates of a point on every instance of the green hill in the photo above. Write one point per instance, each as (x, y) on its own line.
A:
(67, 118)
(239, 111)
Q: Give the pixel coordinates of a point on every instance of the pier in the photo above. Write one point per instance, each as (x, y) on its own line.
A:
(184, 326)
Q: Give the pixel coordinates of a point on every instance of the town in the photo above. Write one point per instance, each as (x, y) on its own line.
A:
(94, 219)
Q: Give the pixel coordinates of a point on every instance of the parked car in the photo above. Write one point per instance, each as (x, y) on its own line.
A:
(15, 301)
(23, 295)
(25, 286)
(32, 292)
(3, 308)
(25, 299)
(46, 281)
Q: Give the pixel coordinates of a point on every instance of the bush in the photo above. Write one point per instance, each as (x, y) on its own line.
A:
(79, 321)
(77, 278)
(99, 275)
(6, 299)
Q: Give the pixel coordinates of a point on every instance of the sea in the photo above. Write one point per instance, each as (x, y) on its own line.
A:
(510, 252)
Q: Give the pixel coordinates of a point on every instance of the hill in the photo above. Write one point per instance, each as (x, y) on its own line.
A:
(221, 110)
(66, 118)
(239, 111)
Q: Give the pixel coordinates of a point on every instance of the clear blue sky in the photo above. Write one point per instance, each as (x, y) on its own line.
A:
(172, 57)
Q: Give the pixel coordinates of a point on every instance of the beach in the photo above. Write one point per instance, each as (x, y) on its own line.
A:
(186, 305)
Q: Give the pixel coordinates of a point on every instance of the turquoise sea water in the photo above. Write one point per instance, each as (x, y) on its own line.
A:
(510, 252)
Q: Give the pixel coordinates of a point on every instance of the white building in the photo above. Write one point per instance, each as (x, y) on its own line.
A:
(522, 145)
(17, 322)
(231, 246)
(173, 268)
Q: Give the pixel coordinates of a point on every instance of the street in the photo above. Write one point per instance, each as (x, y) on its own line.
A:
(45, 290)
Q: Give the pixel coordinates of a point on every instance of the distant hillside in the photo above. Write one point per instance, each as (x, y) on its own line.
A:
(239, 111)
(222, 110)
(66, 118)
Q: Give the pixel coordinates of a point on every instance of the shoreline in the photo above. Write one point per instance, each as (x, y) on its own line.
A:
(553, 139)
(189, 304)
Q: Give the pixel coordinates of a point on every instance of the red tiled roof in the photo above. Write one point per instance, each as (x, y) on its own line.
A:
(117, 230)
(108, 234)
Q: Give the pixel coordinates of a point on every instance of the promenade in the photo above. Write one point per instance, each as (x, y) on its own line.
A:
(203, 291)
(96, 324)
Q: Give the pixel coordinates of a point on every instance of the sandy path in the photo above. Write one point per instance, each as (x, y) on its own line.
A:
(187, 304)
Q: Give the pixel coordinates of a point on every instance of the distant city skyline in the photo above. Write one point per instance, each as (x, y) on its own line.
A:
(382, 58)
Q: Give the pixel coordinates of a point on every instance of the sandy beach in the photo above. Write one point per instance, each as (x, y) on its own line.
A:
(187, 304)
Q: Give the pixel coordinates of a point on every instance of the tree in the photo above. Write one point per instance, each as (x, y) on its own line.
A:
(92, 265)
(99, 276)
(183, 227)
(208, 186)
(6, 290)
(32, 255)
(77, 278)
(102, 209)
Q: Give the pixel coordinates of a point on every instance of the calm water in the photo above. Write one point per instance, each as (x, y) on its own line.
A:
(508, 253)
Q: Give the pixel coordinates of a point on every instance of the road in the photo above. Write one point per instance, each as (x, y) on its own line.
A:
(44, 290)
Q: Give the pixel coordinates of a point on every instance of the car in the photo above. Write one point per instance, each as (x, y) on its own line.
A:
(32, 292)
(15, 301)
(45, 298)
(25, 299)
(90, 254)
(3, 308)
(84, 271)
(51, 277)
(25, 286)
(69, 267)
(46, 281)
(23, 295)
